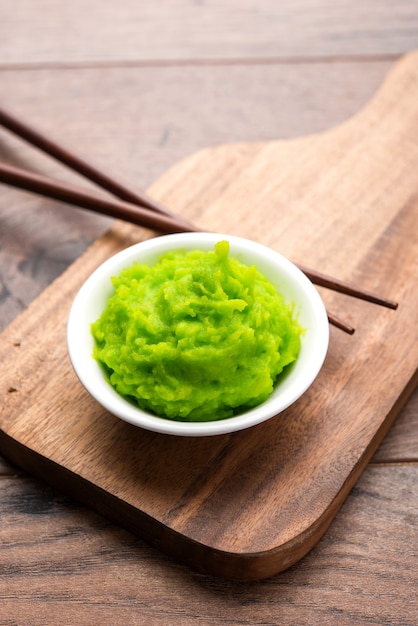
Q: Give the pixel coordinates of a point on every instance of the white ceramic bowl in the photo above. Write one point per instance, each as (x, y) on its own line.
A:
(290, 281)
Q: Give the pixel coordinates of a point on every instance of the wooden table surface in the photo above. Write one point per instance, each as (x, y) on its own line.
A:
(134, 87)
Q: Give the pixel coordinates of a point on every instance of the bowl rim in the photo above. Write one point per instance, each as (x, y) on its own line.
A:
(93, 294)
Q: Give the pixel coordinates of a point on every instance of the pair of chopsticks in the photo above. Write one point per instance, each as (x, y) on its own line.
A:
(132, 206)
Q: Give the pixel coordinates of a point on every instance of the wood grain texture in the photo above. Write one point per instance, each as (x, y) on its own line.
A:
(126, 581)
(255, 530)
(167, 114)
(401, 445)
(62, 564)
(185, 30)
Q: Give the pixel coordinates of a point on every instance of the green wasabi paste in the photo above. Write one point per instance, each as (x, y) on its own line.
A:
(198, 336)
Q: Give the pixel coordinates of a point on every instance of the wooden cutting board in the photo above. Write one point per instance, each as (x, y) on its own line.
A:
(250, 504)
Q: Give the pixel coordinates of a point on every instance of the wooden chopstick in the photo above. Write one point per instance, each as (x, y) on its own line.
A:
(76, 163)
(338, 285)
(135, 207)
(44, 186)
